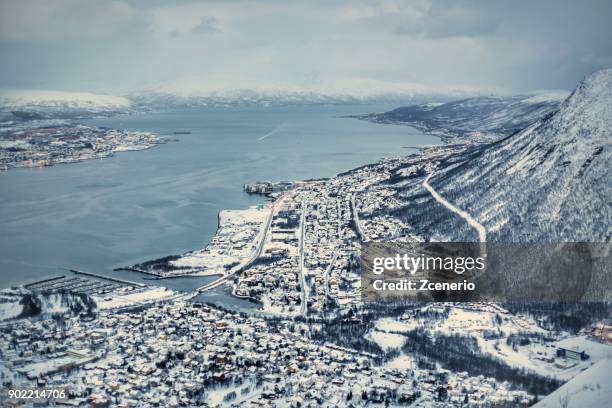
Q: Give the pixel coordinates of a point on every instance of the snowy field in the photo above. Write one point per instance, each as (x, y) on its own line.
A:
(386, 341)
(147, 296)
(491, 326)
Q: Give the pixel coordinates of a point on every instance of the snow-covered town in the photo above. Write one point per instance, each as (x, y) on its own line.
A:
(314, 343)
(310, 341)
(42, 143)
(298, 254)
(183, 354)
(178, 353)
(303, 204)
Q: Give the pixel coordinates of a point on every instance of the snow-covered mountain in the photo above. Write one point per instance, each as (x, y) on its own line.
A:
(547, 183)
(227, 91)
(62, 104)
(491, 116)
(236, 92)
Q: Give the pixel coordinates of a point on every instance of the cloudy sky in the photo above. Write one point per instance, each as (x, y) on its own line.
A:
(120, 46)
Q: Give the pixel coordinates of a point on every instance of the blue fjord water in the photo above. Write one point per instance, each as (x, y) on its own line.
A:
(97, 215)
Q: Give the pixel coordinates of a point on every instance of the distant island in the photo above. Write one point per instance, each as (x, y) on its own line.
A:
(44, 129)
(46, 143)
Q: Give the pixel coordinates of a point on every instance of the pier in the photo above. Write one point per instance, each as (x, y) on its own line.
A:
(95, 275)
(43, 281)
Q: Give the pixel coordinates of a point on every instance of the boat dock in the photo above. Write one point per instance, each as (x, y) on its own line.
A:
(109, 278)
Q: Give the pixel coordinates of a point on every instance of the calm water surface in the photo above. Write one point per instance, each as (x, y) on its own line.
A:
(97, 215)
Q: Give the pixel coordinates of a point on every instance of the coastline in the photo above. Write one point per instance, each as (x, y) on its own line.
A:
(171, 266)
(43, 152)
(131, 183)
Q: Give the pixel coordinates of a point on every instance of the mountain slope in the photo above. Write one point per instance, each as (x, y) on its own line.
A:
(224, 91)
(61, 104)
(591, 388)
(550, 181)
(490, 117)
(547, 183)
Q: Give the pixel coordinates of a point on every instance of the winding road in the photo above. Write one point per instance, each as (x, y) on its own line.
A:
(482, 231)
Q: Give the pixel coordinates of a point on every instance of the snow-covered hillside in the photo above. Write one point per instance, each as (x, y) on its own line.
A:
(547, 183)
(62, 103)
(591, 388)
(490, 116)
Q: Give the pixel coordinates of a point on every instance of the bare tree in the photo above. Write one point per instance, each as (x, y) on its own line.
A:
(564, 400)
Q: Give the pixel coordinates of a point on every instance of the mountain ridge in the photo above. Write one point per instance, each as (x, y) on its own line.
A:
(60, 103)
(483, 118)
(546, 183)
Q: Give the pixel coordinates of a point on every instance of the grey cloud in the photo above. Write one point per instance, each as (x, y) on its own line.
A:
(106, 45)
(447, 19)
(69, 20)
(208, 25)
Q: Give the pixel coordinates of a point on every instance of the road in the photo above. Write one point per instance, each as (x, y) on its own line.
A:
(482, 231)
(244, 264)
(303, 305)
(328, 271)
(362, 236)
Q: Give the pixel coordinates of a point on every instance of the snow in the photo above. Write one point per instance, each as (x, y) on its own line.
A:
(278, 310)
(591, 388)
(343, 89)
(134, 298)
(9, 310)
(479, 320)
(241, 228)
(596, 351)
(391, 325)
(482, 232)
(475, 119)
(466, 321)
(252, 214)
(216, 396)
(387, 333)
(53, 365)
(401, 362)
(386, 341)
(548, 96)
(551, 176)
(58, 99)
(131, 148)
(528, 357)
(7, 144)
